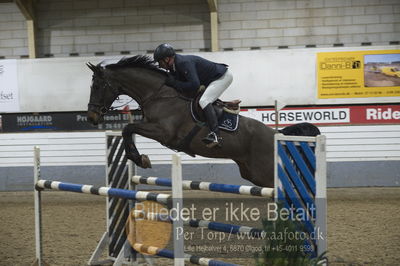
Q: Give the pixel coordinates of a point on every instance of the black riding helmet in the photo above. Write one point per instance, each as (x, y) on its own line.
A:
(162, 51)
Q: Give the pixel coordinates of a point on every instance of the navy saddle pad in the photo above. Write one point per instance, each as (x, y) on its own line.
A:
(226, 121)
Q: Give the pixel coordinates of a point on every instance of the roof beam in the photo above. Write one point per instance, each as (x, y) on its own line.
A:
(212, 5)
(26, 8)
(31, 28)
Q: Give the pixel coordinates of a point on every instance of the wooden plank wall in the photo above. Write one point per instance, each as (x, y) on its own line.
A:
(344, 143)
(363, 143)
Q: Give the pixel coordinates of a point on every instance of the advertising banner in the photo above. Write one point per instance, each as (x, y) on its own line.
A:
(71, 121)
(116, 120)
(335, 115)
(358, 74)
(9, 101)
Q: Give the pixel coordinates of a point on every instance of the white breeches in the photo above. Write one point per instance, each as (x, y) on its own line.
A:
(215, 89)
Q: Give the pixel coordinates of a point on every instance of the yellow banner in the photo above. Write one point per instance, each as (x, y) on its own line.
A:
(358, 74)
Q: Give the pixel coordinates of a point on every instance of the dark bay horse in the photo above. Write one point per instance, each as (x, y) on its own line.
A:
(167, 119)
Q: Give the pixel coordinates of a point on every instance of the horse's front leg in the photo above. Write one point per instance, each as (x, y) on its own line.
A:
(148, 130)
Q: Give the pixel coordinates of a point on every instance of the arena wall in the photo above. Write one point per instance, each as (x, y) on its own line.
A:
(285, 75)
(276, 41)
(99, 27)
(356, 155)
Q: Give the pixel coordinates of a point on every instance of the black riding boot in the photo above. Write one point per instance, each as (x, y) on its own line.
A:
(213, 138)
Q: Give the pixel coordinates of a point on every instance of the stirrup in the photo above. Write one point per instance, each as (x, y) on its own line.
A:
(212, 140)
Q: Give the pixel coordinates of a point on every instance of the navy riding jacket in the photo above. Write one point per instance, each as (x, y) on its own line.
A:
(192, 71)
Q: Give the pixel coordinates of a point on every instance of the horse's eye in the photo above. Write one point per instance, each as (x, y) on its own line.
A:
(96, 87)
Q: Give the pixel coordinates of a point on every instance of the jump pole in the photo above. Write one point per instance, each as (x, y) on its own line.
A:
(321, 204)
(117, 169)
(38, 208)
(306, 156)
(177, 203)
(320, 183)
(291, 166)
(207, 186)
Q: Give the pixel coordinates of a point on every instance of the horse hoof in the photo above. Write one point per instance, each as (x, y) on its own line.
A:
(133, 158)
(138, 160)
(146, 163)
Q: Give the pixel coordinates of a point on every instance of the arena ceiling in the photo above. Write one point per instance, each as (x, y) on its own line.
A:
(27, 8)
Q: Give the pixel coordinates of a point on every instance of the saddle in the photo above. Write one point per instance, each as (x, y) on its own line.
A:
(227, 112)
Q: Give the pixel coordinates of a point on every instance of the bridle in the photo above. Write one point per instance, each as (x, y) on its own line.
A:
(102, 107)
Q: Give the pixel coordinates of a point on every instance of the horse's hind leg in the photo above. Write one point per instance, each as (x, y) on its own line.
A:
(260, 173)
(261, 163)
(257, 164)
(244, 170)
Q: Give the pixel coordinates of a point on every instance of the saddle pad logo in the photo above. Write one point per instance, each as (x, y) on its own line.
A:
(228, 121)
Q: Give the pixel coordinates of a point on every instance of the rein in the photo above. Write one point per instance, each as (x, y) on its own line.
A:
(122, 105)
(104, 109)
(156, 96)
(152, 96)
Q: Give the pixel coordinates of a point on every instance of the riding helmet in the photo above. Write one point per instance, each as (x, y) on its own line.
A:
(162, 51)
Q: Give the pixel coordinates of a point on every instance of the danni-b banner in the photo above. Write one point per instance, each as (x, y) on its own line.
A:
(358, 74)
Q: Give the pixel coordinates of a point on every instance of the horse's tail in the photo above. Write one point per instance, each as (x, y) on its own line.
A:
(301, 129)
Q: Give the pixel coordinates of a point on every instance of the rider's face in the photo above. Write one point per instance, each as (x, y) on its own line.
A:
(166, 63)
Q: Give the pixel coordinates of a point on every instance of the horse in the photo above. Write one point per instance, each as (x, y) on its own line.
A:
(167, 119)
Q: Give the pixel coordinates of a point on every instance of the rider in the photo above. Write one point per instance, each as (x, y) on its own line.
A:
(188, 73)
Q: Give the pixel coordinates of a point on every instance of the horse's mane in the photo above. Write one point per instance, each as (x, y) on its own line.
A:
(142, 61)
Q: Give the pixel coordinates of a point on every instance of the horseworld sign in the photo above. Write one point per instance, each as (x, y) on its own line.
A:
(334, 115)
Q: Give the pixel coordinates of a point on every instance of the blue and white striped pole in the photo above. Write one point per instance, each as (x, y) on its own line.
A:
(215, 226)
(104, 191)
(207, 186)
(187, 257)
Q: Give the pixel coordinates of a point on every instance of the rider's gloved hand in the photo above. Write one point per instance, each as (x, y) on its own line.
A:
(170, 81)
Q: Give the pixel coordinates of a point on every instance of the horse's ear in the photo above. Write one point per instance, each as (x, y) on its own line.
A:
(92, 67)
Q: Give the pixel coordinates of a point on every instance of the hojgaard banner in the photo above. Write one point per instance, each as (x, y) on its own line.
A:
(68, 121)
(358, 74)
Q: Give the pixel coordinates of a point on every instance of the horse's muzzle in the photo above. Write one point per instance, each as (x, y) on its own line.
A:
(94, 118)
